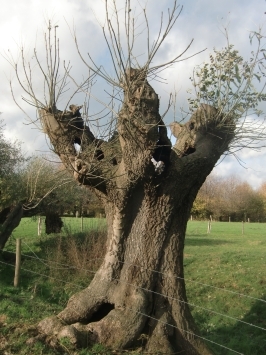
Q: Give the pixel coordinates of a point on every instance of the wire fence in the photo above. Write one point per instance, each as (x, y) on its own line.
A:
(137, 312)
(66, 266)
(51, 264)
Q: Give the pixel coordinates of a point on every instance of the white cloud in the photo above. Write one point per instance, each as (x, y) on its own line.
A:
(22, 23)
(249, 165)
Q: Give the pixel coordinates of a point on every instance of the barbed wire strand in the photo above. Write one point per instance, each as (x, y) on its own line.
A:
(200, 307)
(146, 315)
(47, 262)
(197, 282)
(177, 277)
(43, 260)
(162, 295)
(66, 266)
(37, 273)
(186, 331)
(174, 299)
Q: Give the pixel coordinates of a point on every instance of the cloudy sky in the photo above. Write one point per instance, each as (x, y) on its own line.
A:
(23, 22)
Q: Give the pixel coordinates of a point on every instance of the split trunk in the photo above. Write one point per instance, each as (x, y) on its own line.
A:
(138, 297)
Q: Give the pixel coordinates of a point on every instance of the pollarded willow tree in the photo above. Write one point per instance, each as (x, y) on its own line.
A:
(146, 184)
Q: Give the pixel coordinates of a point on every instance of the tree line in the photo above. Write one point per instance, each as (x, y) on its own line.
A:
(230, 199)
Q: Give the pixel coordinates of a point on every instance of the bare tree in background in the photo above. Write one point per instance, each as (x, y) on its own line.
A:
(24, 185)
(147, 185)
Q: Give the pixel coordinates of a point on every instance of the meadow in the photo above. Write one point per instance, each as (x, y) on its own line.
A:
(225, 276)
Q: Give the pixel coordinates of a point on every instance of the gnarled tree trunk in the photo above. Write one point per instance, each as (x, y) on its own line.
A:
(139, 290)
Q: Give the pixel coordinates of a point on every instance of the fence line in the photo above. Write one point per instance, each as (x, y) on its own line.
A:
(198, 336)
(68, 266)
(196, 282)
(165, 296)
(146, 315)
(155, 271)
(48, 276)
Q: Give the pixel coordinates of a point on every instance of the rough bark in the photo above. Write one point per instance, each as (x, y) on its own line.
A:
(10, 218)
(138, 295)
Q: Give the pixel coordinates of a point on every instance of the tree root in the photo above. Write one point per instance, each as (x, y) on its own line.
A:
(90, 318)
(122, 317)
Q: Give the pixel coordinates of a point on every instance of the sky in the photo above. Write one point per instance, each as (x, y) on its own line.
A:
(22, 24)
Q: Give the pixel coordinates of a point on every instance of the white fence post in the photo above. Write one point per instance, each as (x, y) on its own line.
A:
(209, 227)
(18, 262)
(39, 226)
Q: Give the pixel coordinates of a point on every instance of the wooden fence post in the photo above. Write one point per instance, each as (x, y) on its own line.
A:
(18, 262)
(39, 226)
(209, 227)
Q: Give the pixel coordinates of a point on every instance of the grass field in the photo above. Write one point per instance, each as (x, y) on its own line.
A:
(228, 260)
(221, 269)
(28, 226)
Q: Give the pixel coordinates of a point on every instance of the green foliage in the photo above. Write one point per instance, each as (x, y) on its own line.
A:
(199, 209)
(12, 161)
(230, 83)
(11, 155)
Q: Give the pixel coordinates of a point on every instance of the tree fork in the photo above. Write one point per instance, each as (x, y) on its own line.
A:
(147, 215)
(146, 185)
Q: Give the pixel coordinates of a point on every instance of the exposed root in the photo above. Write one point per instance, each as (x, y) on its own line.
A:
(89, 319)
(83, 305)
(119, 329)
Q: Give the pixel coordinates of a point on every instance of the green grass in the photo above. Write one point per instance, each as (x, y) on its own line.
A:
(225, 259)
(229, 260)
(28, 227)
(39, 296)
